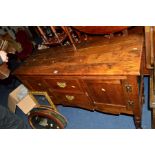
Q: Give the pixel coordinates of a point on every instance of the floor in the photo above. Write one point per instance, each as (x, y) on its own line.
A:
(83, 119)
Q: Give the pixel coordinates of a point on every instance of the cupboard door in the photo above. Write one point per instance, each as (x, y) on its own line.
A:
(106, 91)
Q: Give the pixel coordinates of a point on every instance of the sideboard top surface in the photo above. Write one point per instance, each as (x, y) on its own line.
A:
(120, 55)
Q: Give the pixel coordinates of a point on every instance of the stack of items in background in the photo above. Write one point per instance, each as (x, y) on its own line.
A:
(38, 107)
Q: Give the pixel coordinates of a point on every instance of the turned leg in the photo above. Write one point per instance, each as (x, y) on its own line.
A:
(138, 122)
(153, 118)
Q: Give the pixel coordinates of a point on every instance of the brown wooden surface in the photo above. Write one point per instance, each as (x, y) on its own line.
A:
(101, 56)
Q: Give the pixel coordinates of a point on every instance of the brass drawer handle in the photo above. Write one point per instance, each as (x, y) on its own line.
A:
(61, 84)
(70, 98)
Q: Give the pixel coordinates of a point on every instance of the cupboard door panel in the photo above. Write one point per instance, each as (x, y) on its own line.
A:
(106, 91)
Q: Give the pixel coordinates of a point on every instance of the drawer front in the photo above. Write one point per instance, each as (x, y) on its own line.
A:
(34, 83)
(64, 84)
(108, 92)
(71, 99)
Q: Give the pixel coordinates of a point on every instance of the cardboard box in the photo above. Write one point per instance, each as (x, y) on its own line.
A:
(20, 97)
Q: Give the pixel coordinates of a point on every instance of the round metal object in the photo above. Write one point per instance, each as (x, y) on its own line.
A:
(44, 117)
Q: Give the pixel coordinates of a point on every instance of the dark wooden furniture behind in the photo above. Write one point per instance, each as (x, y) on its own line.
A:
(104, 74)
(150, 66)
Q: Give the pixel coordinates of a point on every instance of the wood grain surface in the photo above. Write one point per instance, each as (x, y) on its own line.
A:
(100, 56)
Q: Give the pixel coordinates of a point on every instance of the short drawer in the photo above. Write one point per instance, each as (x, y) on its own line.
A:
(71, 99)
(64, 84)
(34, 83)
